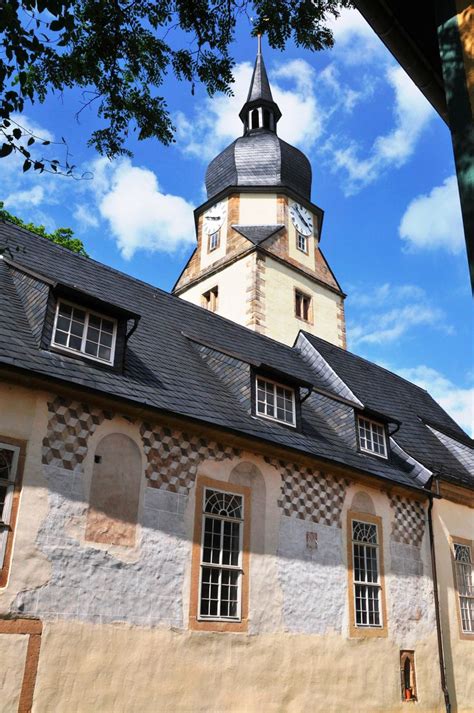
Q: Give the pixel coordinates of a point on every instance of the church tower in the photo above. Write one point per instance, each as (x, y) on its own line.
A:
(258, 259)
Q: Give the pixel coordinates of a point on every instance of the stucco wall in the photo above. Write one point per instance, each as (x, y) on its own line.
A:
(232, 284)
(116, 617)
(281, 324)
(451, 520)
(258, 209)
(208, 258)
(12, 657)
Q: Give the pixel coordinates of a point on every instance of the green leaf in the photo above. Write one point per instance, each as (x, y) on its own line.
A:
(26, 165)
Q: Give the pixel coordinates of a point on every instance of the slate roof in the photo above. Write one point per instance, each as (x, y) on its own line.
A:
(257, 233)
(165, 368)
(260, 158)
(259, 85)
(387, 393)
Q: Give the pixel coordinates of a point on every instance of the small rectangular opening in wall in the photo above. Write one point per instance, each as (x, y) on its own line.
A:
(302, 306)
(408, 676)
(210, 299)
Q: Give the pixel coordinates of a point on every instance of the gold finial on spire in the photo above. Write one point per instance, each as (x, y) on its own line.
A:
(259, 43)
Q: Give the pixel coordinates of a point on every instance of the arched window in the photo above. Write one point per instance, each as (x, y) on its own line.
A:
(115, 491)
(254, 119)
(407, 672)
(266, 119)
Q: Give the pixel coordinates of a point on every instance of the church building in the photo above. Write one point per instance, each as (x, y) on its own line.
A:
(207, 503)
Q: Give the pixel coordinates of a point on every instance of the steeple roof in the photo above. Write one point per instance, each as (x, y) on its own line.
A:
(259, 86)
(259, 157)
(260, 93)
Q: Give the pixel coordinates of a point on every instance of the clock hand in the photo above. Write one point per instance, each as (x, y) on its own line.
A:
(301, 216)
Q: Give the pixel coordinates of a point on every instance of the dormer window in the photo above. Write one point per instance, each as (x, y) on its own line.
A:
(372, 437)
(82, 331)
(275, 401)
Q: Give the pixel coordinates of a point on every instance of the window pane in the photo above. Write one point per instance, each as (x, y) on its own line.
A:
(61, 338)
(65, 310)
(104, 353)
(3, 497)
(77, 328)
(107, 326)
(106, 339)
(63, 323)
(93, 334)
(6, 463)
(94, 321)
(91, 348)
(75, 343)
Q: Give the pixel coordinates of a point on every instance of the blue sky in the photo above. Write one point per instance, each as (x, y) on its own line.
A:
(383, 172)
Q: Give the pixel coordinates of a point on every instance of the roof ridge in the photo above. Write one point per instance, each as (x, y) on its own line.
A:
(367, 361)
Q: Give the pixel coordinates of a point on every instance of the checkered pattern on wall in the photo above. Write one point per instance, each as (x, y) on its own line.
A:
(408, 524)
(310, 494)
(70, 424)
(174, 456)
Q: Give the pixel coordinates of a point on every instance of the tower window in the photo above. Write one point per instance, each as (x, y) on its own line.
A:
(210, 299)
(302, 242)
(214, 241)
(407, 674)
(302, 306)
(266, 119)
(254, 119)
(372, 437)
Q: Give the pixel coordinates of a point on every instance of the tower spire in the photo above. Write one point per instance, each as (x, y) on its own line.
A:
(260, 111)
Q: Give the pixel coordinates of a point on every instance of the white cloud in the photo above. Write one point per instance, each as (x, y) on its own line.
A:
(85, 216)
(434, 221)
(355, 42)
(395, 311)
(33, 197)
(216, 122)
(412, 113)
(139, 214)
(456, 400)
(32, 127)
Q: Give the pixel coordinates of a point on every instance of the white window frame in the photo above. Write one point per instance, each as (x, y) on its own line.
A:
(81, 351)
(374, 585)
(302, 240)
(459, 566)
(282, 386)
(207, 565)
(370, 426)
(5, 528)
(214, 240)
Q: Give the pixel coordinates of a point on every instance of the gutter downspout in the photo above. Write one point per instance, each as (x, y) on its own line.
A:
(442, 667)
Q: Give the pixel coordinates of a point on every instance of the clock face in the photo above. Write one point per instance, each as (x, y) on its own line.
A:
(214, 218)
(301, 219)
